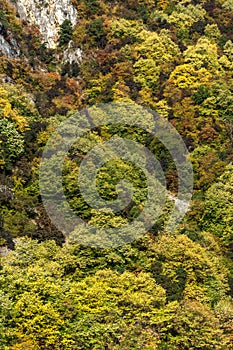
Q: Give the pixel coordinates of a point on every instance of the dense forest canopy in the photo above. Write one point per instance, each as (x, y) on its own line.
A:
(166, 290)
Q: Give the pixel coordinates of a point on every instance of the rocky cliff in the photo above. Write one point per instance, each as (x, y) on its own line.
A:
(47, 15)
(8, 44)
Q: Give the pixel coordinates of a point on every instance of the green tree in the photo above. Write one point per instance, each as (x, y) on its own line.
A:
(11, 144)
(218, 208)
(66, 33)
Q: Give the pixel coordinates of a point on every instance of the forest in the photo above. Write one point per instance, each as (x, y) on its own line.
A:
(168, 290)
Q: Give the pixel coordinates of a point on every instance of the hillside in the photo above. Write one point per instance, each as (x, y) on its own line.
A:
(134, 70)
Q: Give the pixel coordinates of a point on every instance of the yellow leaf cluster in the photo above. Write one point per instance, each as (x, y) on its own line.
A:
(7, 111)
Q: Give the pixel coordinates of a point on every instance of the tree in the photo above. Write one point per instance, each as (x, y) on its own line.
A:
(218, 208)
(186, 76)
(66, 33)
(11, 144)
(83, 298)
(207, 165)
(187, 271)
(196, 327)
(203, 55)
(159, 47)
(186, 16)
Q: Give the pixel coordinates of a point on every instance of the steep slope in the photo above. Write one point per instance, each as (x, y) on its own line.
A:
(167, 290)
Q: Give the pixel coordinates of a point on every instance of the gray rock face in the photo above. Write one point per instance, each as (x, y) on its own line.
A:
(47, 15)
(181, 205)
(71, 54)
(8, 45)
